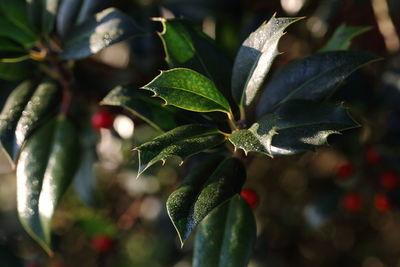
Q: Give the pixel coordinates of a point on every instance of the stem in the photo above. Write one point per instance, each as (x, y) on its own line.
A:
(232, 122)
(242, 113)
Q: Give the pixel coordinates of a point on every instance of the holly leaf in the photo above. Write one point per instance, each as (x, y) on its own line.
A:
(205, 188)
(151, 110)
(66, 16)
(44, 171)
(8, 45)
(296, 126)
(182, 142)
(226, 236)
(255, 58)
(342, 37)
(106, 28)
(313, 77)
(42, 14)
(188, 89)
(24, 109)
(15, 11)
(10, 31)
(186, 46)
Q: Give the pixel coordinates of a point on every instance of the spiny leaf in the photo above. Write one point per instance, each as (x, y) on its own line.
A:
(25, 108)
(187, 89)
(151, 110)
(107, 27)
(255, 58)
(182, 142)
(44, 171)
(342, 37)
(313, 77)
(226, 236)
(296, 126)
(205, 187)
(186, 46)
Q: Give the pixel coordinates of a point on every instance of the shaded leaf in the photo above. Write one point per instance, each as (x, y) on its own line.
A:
(186, 46)
(25, 108)
(44, 171)
(342, 37)
(226, 236)
(14, 71)
(15, 11)
(187, 89)
(313, 77)
(140, 104)
(42, 14)
(296, 126)
(182, 141)
(255, 58)
(66, 16)
(202, 190)
(89, 8)
(10, 46)
(9, 30)
(107, 27)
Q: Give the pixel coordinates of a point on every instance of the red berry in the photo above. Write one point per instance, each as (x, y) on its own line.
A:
(372, 156)
(102, 244)
(102, 119)
(344, 170)
(382, 203)
(352, 202)
(389, 180)
(250, 196)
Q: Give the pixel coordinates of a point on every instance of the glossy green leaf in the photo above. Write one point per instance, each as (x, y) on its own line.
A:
(186, 46)
(255, 58)
(182, 142)
(313, 77)
(42, 14)
(205, 188)
(44, 171)
(187, 89)
(15, 11)
(140, 104)
(296, 126)
(13, 71)
(226, 236)
(107, 27)
(9, 30)
(342, 37)
(25, 108)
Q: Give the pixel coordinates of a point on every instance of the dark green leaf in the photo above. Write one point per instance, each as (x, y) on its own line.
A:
(24, 110)
(9, 30)
(89, 8)
(206, 187)
(255, 58)
(226, 236)
(183, 141)
(187, 89)
(342, 37)
(296, 126)
(13, 71)
(42, 14)
(15, 12)
(313, 77)
(10, 46)
(44, 171)
(140, 104)
(186, 46)
(107, 27)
